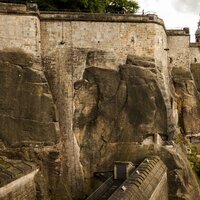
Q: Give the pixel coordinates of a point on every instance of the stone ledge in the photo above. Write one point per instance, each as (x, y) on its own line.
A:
(19, 9)
(100, 17)
(178, 32)
(195, 45)
(11, 170)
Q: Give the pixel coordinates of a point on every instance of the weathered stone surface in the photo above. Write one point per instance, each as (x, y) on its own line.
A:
(182, 182)
(29, 128)
(106, 115)
(27, 110)
(115, 108)
(141, 61)
(116, 111)
(186, 84)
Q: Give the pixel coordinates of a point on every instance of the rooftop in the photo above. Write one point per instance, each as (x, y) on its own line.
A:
(145, 178)
(11, 170)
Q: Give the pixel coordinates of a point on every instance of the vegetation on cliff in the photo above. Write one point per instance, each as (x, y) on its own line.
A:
(195, 163)
(114, 6)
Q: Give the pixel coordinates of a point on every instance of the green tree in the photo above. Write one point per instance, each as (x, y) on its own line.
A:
(95, 5)
(123, 6)
(114, 6)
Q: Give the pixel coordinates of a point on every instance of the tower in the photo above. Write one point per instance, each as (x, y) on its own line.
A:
(197, 33)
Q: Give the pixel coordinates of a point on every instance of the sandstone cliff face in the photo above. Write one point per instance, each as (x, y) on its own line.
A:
(118, 112)
(113, 108)
(186, 83)
(73, 127)
(27, 111)
(29, 128)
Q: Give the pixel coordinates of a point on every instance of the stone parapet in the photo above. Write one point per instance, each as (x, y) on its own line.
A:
(11, 170)
(15, 8)
(100, 17)
(195, 44)
(178, 32)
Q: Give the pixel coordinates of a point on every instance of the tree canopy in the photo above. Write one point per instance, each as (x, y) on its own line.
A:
(114, 6)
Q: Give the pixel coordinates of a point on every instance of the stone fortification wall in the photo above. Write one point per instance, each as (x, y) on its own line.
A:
(179, 49)
(72, 42)
(194, 53)
(119, 35)
(19, 28)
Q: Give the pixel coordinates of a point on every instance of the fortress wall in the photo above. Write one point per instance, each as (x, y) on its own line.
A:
(70, 45)
(160, 45)
(194, 53)
(116, 37)
(179, 50)
(107, 42)
(20, 31)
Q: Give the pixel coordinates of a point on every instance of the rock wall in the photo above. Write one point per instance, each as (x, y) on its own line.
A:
(29, 128)
(186, 82)
(87, 89)
(27, 110)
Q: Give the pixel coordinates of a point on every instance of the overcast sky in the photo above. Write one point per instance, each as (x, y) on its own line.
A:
(175, 13)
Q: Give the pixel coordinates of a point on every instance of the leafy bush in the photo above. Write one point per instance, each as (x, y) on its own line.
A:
(195, 162)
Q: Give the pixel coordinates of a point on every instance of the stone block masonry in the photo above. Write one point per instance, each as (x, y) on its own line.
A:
(20, 189)
(19, 28)
(17, 180)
